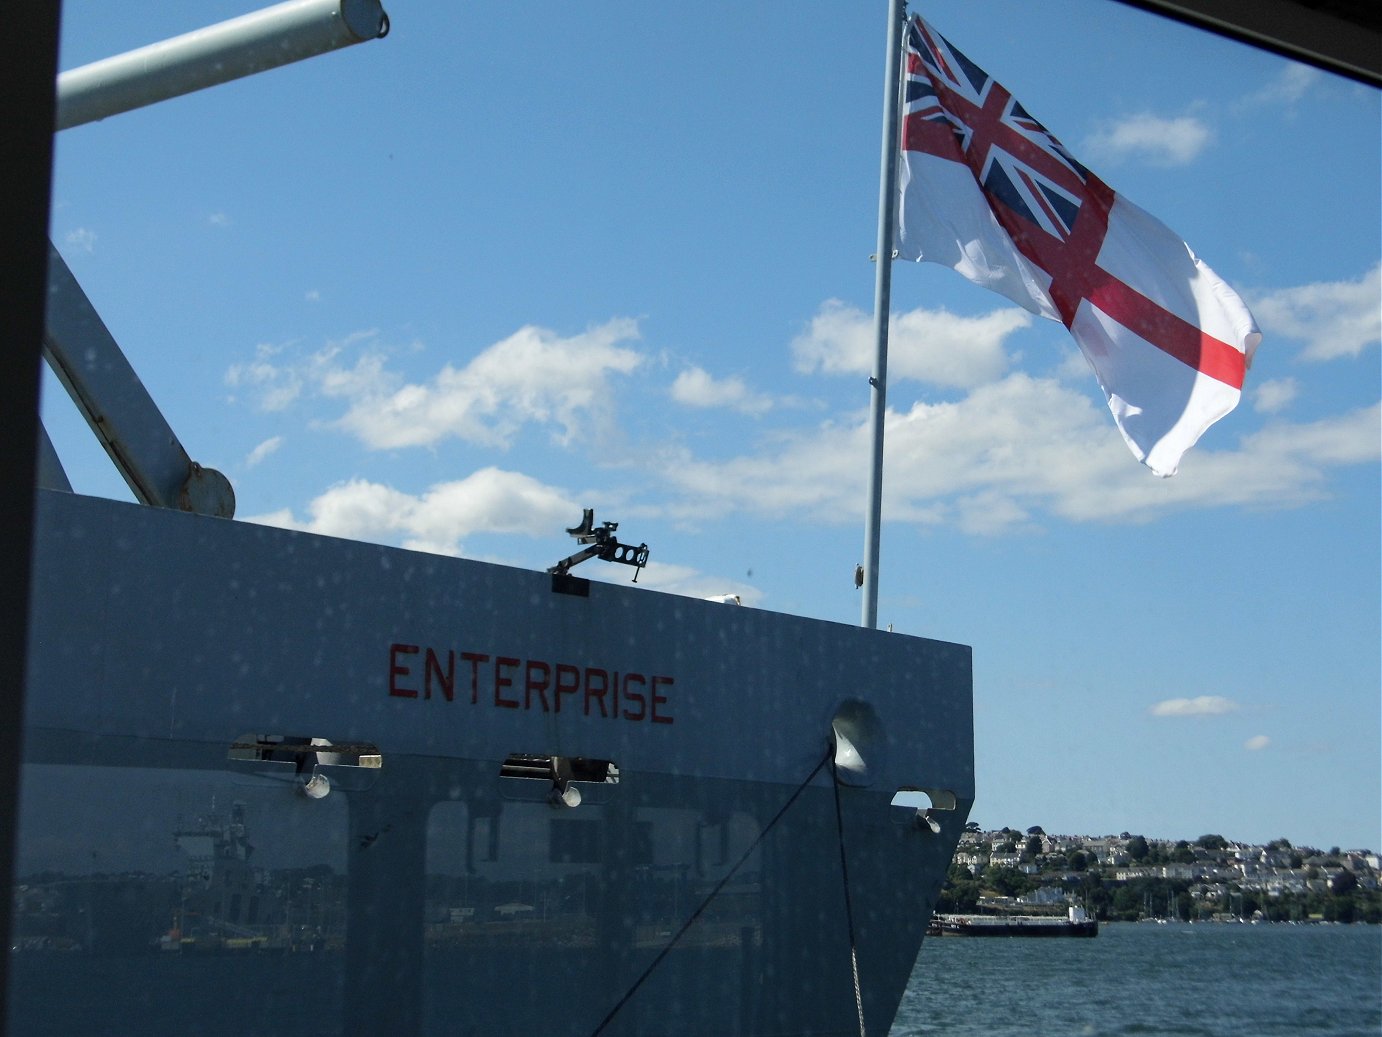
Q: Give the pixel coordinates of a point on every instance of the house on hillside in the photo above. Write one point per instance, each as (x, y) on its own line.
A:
(975, 862)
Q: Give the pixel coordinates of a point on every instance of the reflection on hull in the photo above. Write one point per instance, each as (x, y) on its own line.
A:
(700, 893)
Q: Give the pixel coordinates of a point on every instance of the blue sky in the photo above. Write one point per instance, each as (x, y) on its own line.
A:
(446, 289)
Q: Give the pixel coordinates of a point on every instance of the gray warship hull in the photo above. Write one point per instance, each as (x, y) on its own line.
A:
(287, 783)
(274, 782)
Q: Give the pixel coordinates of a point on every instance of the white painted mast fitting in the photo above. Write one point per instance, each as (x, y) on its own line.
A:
(255, 42)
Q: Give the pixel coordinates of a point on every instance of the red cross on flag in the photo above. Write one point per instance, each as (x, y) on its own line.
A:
(985, 189)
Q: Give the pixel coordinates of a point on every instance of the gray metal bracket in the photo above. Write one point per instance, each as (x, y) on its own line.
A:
(97, 375)
(602, 544)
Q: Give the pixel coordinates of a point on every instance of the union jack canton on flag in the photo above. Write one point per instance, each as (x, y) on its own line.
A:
(987, 190)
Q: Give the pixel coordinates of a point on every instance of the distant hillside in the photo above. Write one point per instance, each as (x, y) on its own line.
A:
(1129, 877)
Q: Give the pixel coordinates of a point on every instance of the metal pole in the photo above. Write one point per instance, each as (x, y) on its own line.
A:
(882, 303)
(254, 42)
(120, 411)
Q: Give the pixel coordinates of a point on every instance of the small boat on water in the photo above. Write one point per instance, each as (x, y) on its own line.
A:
(1075, 923)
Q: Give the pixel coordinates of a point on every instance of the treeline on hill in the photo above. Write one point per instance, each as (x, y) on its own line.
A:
(1093, 886)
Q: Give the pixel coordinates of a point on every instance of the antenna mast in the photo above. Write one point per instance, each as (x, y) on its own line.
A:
(882, 303)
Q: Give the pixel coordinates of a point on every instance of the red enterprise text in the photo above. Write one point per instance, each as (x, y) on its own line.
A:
(510, 683)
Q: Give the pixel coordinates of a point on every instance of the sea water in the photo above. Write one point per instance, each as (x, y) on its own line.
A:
(1149, 980)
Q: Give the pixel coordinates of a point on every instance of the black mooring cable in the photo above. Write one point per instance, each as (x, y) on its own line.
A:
(829, 756)
(849, 907)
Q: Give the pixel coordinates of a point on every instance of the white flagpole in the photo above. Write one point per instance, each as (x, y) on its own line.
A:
(882, 303)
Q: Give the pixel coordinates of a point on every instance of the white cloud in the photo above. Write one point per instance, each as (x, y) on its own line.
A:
(1276, 395)
(312, 295)
(1010, 451)
(1282, 465)
(1074, 365)
(1334, 318)
(533, 376)
(1293, 83)
(1203, 706)
(1006, 441)
(276, 385)
(367, 376)
(1351, 438)
(1151, 138)
(82, 238)
(1256, 743)
(263, 450)
(694, 387)
(218, 219)
(933, 346)
(490, 500)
